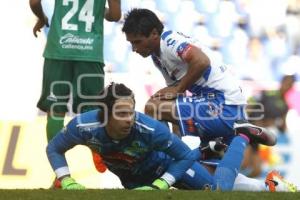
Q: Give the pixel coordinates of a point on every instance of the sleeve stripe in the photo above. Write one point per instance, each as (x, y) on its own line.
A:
(144, 126)
(182, 49)
(165, 34)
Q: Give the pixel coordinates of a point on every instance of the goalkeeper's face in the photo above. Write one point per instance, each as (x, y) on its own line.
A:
(143, 45)
(122, 119)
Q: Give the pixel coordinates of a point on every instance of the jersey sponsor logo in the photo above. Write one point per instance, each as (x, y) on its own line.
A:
(120, 160)
(136, 148)
(70, 41)
(120, 157)
(126, 158)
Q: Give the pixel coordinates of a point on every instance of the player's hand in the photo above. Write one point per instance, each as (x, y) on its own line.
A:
(167, 93)
(158, 184)
(69, 183)
(39, 25)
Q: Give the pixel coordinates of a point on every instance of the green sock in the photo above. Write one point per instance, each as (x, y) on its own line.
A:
(54, 124)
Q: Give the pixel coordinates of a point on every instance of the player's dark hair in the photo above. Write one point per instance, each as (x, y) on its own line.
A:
(141, 21)
(109, 96)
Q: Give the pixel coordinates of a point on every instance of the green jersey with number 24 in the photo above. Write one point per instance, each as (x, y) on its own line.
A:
(76, 31)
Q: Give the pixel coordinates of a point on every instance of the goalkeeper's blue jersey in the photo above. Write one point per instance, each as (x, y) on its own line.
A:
(149, 151)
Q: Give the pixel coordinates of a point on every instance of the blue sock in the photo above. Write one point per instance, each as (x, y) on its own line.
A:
(229, 166)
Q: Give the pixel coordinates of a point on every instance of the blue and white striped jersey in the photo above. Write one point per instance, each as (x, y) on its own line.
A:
(217, 80)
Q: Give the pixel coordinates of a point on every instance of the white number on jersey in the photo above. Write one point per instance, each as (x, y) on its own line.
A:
(85, 15)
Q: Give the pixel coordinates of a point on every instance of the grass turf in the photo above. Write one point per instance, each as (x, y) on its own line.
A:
(143, 195)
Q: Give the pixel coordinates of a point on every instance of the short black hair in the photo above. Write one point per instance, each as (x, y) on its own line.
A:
(141, 21)
(110, 94)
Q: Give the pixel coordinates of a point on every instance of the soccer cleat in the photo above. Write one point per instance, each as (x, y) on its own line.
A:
(276, 183)
(256, 134)
(214, 149)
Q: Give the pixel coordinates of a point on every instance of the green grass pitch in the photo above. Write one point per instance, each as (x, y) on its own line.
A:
(44, 194)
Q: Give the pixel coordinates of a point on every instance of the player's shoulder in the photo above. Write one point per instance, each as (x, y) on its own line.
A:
(170, 34)
(170, 38)
(174, 41)
(88, 119)
(167, 35)
(145, 121)
(148, 124)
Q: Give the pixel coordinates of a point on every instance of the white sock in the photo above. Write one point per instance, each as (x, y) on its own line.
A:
(244, 183)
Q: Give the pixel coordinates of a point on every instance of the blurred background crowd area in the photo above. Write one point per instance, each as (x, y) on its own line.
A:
(260, 38)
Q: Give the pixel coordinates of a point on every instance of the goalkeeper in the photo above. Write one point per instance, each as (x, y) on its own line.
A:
(141, 151)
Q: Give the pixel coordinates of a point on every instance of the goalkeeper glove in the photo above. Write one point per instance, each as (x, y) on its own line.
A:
(145, 188)
(158, 184)
(69, 183)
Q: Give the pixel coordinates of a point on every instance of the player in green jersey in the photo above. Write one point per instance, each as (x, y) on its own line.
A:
(73, 55)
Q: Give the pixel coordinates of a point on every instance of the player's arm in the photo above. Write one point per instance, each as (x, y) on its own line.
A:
(62, 142)
(183, 157)
(113, 12)
(37, 9)
(197, 62)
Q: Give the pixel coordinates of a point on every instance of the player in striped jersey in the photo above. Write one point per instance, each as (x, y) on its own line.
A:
(216, 105)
